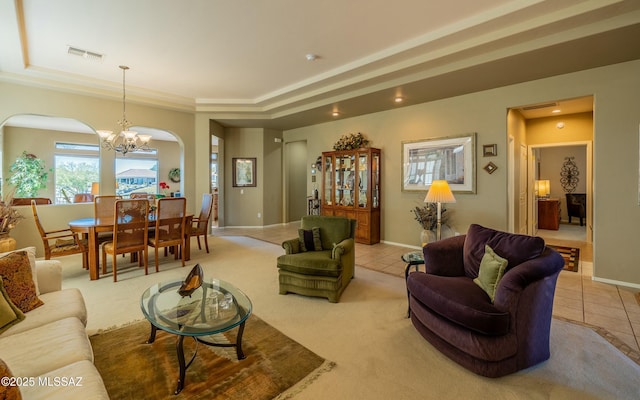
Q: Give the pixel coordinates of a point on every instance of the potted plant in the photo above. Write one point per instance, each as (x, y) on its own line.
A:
(28, 175)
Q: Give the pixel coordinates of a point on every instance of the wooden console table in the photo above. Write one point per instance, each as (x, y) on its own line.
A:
(549, 214)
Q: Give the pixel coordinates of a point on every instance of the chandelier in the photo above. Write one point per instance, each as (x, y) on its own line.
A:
(125, 141)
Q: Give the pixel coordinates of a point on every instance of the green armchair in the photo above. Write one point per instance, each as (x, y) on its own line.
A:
(325, 272)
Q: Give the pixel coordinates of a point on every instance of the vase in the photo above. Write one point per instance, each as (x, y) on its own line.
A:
(427, 236)
(7, 243)
(446, 231)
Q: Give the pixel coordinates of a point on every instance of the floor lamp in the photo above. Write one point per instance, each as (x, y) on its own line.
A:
(439, 193)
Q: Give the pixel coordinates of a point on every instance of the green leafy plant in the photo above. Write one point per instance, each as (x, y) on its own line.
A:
(28, 175)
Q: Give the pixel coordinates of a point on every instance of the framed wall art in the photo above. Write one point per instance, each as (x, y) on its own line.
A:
(449, 158)
(489, 150)
(244, 172)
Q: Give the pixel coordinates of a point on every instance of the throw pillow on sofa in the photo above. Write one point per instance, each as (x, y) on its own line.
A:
(9, 313)
(8, 392)
(492, 269)
(17, 278)
(31, 251)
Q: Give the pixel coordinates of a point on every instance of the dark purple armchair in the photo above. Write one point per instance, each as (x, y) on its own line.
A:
(457, 317)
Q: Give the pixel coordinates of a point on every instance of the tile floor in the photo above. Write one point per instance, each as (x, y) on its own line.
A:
(612, 310)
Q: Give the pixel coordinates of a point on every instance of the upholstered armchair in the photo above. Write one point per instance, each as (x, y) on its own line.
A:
(577, 206)
(320, 262)
(486, 298)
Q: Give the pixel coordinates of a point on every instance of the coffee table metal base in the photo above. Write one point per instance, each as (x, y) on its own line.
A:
(180, 351)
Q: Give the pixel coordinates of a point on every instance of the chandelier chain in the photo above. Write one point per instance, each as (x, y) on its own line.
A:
(124, 141)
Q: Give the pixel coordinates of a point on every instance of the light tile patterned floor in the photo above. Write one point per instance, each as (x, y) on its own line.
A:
(577, 298)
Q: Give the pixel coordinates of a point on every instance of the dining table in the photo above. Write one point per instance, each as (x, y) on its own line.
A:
(91, 227)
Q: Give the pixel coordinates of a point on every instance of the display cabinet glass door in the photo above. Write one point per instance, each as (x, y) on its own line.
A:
(328, 192)
(363, 180)
(375, 174)
(345, 180)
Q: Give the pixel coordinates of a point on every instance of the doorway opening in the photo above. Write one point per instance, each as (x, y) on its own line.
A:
(542, 138)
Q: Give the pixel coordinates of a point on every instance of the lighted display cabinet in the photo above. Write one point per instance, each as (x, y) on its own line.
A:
(351, 188)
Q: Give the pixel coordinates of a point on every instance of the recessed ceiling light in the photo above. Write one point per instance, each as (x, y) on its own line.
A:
(556, 111)
(335, 113)
(311, 57)
(398, 99)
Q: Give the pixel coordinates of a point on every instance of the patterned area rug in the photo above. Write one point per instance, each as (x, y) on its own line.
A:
(571, 256)
(275, 366)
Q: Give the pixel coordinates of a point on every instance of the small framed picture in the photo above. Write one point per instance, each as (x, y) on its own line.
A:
(489, 150)
(244, 172)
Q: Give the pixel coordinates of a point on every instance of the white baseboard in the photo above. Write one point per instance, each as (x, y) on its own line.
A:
(618, 283)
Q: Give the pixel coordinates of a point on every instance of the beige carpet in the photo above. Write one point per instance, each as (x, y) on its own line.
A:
(378, 353)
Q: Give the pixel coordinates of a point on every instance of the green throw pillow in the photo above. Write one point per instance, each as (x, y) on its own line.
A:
(9, 313)
(492, 268)
(310, 239)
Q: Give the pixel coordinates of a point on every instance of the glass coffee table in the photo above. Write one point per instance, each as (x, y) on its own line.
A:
(213, 308)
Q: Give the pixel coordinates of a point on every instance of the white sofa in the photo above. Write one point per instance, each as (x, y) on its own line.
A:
(51, 344)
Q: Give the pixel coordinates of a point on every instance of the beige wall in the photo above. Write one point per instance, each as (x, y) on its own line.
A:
(100, 113)
(242, 204)
(616, 91)
(516, 132)
(272, 178)
(577, 128)
(41, 142)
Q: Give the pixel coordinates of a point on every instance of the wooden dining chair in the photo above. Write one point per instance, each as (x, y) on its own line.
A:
(140, 195)
(60, 242)
(104, 206)
(82, 198)
(200, 225)
(130, 234)
(25, 201)
(169, 227)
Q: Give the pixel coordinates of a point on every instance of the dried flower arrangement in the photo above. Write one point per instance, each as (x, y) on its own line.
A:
(427, 216)
(9, 216)
(351, 141)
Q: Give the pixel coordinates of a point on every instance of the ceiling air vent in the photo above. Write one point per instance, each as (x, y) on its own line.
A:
(89, 55)
(539, 106)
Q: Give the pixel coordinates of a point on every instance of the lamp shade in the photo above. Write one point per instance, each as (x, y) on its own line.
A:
(95, 188)
(439, 192)
(543, 187)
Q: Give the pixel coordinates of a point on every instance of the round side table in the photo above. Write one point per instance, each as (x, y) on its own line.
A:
(412, 258)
